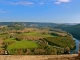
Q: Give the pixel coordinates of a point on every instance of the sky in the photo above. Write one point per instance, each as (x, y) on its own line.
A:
(56, 11)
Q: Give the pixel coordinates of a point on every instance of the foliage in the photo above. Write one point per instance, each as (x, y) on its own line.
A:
(73, 29)
(17, 26)
(61, 42)
(41, 40)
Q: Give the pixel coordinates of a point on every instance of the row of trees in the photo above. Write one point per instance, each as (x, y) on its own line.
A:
(64, 42)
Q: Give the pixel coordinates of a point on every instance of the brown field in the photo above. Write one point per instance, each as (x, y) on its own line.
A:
(1, 41)
(63, 34)
(1, 49)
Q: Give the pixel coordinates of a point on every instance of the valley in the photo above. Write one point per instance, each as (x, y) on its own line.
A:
(20, 39)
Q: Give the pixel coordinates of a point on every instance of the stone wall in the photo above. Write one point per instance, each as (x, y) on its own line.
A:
(39, 57)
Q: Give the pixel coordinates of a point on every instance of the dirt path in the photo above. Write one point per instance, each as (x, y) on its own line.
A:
(1, 49)
(1, 45)
(1, 41)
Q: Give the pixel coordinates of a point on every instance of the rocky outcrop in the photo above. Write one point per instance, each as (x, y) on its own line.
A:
(39, 57)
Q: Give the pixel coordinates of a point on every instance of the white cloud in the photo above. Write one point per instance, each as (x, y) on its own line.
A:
(62, 1)
(21, 3)
(33, 2)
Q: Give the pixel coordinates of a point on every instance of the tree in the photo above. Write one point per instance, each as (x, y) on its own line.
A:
(19, 37)
(67, 49)
(49, 50)
(54, 51)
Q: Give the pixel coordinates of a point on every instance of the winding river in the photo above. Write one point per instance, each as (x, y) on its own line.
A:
(77, 46)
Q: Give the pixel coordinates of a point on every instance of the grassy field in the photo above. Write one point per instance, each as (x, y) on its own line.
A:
(3, 36)
(22, 45)
(10, 40)
(37, 34)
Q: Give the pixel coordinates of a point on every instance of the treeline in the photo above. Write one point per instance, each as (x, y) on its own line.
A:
(17, 26)
(31, 24)
(62, 42)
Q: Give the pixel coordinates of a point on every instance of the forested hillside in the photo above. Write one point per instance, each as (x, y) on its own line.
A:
(73, 29)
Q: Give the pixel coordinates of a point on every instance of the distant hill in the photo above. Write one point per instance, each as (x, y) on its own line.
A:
(73, 29)
(5, 23)
(68, 23)
(28, 24)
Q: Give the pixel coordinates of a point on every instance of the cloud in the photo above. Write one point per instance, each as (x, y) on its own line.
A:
(32, 2)
(62, 1)
(21, 3)
(41, 3)
(2, 11)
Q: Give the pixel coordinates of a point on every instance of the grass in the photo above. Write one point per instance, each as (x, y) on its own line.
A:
(36, 34)
(9, 40)
(3, 36)
(22, 44)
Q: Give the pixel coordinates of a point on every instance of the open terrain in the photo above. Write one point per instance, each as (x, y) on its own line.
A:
(18, 39)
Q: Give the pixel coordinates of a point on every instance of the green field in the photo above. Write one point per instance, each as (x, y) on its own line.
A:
(37, 34)
(10, 40)
(22, 45)
(3, 36)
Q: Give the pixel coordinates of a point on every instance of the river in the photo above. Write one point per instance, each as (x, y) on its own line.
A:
(77, 46)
